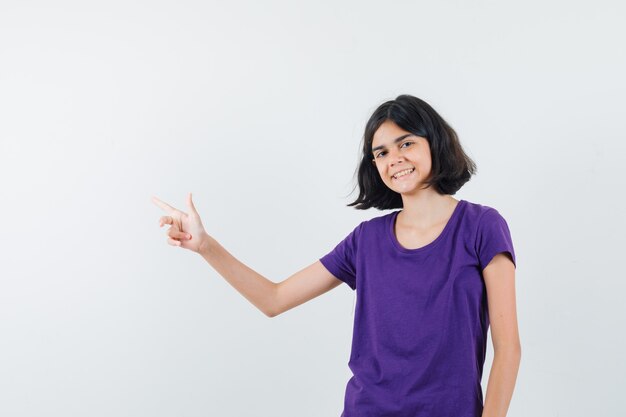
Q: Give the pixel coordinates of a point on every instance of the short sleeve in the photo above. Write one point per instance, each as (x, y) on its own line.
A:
(341, 261)
(493, 237)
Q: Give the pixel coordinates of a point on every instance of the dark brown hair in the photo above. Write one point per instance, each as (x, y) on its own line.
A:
(451, 167)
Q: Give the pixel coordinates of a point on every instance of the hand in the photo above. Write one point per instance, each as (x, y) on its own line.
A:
(186, 230)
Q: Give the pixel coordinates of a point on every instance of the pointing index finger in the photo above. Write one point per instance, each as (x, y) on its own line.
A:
(166, 207)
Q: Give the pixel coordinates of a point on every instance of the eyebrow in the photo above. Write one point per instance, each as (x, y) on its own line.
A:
(396, 140)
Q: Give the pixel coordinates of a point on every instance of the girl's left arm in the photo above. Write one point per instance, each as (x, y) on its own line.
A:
(499, 278)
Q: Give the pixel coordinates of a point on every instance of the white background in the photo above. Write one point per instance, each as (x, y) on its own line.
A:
(258, 108)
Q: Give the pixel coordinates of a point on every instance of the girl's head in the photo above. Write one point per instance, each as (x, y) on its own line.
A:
(407, 133)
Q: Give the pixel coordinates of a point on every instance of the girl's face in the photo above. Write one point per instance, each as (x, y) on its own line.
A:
(395, 150)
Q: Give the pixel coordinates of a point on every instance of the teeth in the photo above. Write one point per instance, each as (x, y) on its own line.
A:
(402, 173)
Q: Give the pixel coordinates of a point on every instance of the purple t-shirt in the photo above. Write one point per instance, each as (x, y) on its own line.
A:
(421, 319)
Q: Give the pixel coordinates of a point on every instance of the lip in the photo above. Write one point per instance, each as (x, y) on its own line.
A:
(399, 179)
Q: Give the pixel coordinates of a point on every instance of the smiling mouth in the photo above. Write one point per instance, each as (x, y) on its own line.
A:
(404, 175)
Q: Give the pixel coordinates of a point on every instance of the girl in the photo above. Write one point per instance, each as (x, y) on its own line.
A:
(431, 277)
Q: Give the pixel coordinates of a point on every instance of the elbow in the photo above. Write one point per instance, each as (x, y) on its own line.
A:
(272, 309)
(271, 312)
(275, 310)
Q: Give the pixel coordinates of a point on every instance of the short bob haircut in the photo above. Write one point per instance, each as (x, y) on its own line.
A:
(451, 167)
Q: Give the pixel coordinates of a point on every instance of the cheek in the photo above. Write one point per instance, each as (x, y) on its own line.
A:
(424, 168)
(425, 162)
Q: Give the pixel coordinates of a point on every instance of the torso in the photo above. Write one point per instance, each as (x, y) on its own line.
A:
(417, 312)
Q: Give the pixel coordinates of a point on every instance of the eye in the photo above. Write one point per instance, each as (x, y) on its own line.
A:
(383, 152)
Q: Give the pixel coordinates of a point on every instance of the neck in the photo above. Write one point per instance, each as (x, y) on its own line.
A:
(426, 209)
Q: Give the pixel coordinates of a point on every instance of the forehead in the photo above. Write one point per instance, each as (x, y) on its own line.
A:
(387, 133)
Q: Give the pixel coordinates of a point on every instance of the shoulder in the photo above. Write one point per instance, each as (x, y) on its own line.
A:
(378, 224)
(379, 220)
(491, 234)
(373, 228)
(480, 214)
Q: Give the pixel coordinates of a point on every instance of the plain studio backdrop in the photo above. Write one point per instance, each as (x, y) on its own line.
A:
(258, 109)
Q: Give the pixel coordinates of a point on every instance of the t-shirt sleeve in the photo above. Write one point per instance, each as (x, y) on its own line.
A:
(493, 238)
(341, 260)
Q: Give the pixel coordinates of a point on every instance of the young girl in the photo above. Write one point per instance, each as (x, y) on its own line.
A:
(430, 278)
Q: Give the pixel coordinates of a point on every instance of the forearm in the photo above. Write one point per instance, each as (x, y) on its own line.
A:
(253, 286)
(501, 382)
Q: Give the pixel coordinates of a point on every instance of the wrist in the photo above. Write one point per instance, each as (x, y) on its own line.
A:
(206, 242)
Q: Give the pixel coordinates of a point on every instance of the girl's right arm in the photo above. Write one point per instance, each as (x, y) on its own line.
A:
(269, 297)
(272, 299)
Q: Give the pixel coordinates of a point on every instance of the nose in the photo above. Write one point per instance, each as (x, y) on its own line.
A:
(395, 159)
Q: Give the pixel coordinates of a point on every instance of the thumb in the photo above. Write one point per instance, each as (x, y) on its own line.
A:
(190, 204)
